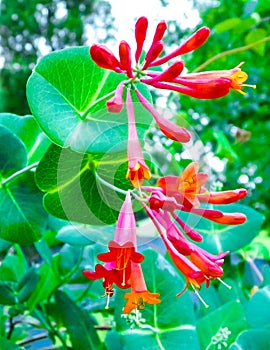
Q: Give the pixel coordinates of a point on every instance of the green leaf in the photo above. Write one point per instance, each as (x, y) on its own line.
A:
(218, 237)
(28, 284)
(228, 24)
(167, 325)
(257, 309)
(7, 295)
(13, 155)
(224, 148)
(9, 345)
(48, 282)
(22, 216)
(28, 131)
(77, 237)
(64, 92)
(74, 192)
(252, 339)
(230, 316)
(256, 35)
(79, 325)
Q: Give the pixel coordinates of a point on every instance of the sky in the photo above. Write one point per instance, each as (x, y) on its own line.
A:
(125, 13)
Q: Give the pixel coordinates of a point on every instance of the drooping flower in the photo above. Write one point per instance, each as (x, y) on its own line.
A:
(137, 168)
(122, 253)
(139, 295)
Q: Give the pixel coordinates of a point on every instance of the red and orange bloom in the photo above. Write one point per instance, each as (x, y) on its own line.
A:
(139, 295)
(205, 85)
(188, 189)
(137, 168)
(122, 252)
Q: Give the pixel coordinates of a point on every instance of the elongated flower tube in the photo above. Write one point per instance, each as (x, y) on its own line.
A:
(140, 35)
(205, 85)
(122, 252)
(192, 43)
(116, 103)
(172, 131)
(137, 168)
(139, 294)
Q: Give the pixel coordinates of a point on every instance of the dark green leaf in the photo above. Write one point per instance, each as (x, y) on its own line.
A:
(79, 325)
(74, 192)
(253, 339)
(7, 294)
(28, 284)
(228, 318)
(13, 155)
(9, 345)
(257, 309)
(28, 131)
(22, 216)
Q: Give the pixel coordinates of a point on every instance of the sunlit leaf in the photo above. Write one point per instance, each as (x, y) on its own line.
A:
(66, 95)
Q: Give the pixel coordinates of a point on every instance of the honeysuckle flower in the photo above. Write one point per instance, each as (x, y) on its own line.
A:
(137, 168)
(116, 103)
(205, 85)
(169, 129)
(188, 189)
(139, 295)
(122, 252)
(197, 265)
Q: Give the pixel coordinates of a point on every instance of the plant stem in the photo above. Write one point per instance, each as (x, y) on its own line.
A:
(11, 328)
(230, 52)
(109, 185)
(18, 173)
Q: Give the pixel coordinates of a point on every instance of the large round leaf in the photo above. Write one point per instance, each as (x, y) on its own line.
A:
(74, 189)
(22, 216)
(67, 93)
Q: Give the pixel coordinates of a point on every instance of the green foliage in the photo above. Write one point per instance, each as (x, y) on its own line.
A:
(61, 167)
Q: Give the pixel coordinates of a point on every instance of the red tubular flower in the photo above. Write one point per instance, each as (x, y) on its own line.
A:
(192, 43)
(174, 132)
(154, 51)
(117, 268)
(189, 185)
(160, 31)
(168, 75)
(139, 294)
(140, 35)
(116, 103)
(224, 197)
(104, 58)
(137, 169)
(125, 58)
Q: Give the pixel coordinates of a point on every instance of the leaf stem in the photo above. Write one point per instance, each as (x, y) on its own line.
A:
(109, 185)
(84, 116)
(18, 173)
(230, 52)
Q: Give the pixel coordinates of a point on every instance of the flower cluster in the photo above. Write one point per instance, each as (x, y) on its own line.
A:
(205, 85)
(163, 203)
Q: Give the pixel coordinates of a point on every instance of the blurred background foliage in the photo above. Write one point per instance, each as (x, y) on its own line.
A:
(231, 139)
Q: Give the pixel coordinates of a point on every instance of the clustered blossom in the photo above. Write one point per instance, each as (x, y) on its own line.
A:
(122, 265)
(141, 68)
(162, 203)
